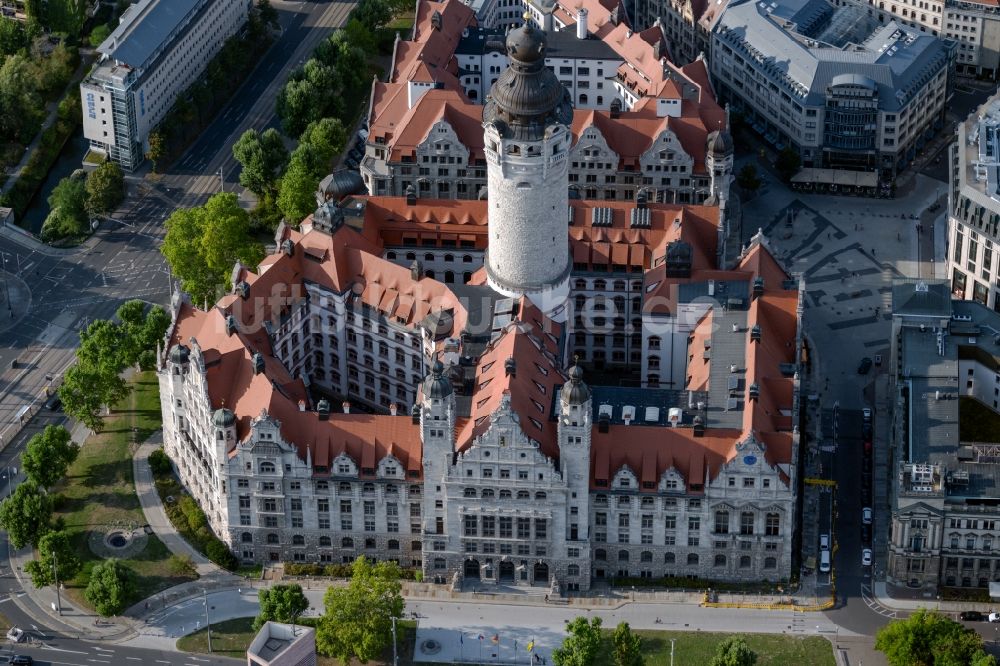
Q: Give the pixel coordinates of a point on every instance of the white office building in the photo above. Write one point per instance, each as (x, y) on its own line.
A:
(158, 50)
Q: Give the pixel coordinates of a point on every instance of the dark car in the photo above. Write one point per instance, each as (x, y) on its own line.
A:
(21, 660)
(864, 366)
(866, 534)
(54, 403)
(972, 616)
(866, 432)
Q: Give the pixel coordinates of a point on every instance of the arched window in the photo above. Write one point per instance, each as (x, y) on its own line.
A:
(428, 257)
(720, 560)
(505, 494)
(347, 542)
(298, 540)
(272, 539)
(466, 276)
(600, 555)
(267, 467)
(523, 495)
(692, 559)
(770, 563)
(439, 563)
(449, 258)
(745, 562)
(573, 570)
(668, 558)
(540, 495)
(393, 544)
(580, 284)
(390, 255)
(599, 285)
(246, 537)
(623, 556)
(583, 98)
(325, 542)
(646, 556)
(488, 493)
(469, 492)
(429, 274)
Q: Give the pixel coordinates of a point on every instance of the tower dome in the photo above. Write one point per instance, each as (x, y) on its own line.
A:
(437, 386)
(575, 391)
(179, 354)
(528, 96)
(224, 418)
(720, 143)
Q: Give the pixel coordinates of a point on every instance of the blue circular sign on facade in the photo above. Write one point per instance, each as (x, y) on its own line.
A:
(749, 460)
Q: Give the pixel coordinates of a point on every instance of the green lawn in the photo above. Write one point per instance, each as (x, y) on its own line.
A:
(99, 490)
(977, 422)
(698, 647)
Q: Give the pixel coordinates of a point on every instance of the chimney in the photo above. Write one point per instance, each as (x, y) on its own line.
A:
(758, 287)
(699, 426)
(616, 108)
(302, 405)
(603, 422)
(755, 333)
(323, 409)
(510, 367)
(347, 407)
(640, 200)
(754, 392)
(243, 289)
(411, 195)
(230, 325)
(258, 363)
(393, 409)
(436, 20)
(581, 24)
(415, 414)
(416, 270)
(288, 247)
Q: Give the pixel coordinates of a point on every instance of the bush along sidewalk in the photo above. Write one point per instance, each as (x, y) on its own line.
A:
(186, 516)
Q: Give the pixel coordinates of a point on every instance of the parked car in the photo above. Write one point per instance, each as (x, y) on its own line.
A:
(866, 557)
(54, 403)
(866, 414)
(866, 516)
(971, 616)
(868, 447)
(866, 431)
(824, 561)
(824, 542)
(866, 534)
(864, 366)
(994, 617)
(21, 660)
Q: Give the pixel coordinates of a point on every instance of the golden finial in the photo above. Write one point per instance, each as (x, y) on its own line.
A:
(526, 16)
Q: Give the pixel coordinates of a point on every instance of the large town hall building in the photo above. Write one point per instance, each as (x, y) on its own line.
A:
(429, 381)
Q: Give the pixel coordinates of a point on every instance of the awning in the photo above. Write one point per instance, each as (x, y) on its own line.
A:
(810, 176)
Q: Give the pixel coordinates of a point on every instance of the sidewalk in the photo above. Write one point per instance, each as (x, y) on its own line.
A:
(883, 592)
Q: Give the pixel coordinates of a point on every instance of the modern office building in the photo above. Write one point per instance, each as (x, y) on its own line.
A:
(468, 443)
(158, 50)
(974, 207)
(945, 490)
(843, 90)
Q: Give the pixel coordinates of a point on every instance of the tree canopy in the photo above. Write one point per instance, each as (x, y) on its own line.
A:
(928, 638)
(357, 622)
(262, 155)
(105, 188)
(204, 243)
(48, 455)
(581, 645)
(627, 646)
(281, 603)
(25, 515)
(734, 651)
(297, 198)
(68, 209)
(85, 389)
(58, 548)
(109, 588)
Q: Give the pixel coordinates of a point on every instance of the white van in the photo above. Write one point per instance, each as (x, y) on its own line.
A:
(824, 561)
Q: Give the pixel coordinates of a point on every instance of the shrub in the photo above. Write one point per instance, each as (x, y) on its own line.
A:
(219, 553)
(160, 463)
(147, 360)
(180, 565)
(196, 518)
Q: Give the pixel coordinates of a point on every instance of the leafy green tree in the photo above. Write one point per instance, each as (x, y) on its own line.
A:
(25, 515)
(159, 463)
(733, 651)
(788, 162)
(748, 180)
(581, 645)
(139, 331)
(628, 646)
(267, 14)
(297, 197)
(203, 244)
(110, 587)
(220, 553)
(99, 34)
(357, 622)
(86, 389)
(326, 138)
(373, 14)
(105, 188)
(48, 455)
(103, 347)
(53, 547)
(356, 34)
(13, 37)
(282, 603)
(928, 638)
(262, 156)
(156, 148)
(69, 215)
(53, 71)
(65, 16)
(19, 99)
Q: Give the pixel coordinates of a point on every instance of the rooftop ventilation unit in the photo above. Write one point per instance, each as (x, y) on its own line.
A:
(628, 414)
(602, 217)
(652, 414)
(674, 416)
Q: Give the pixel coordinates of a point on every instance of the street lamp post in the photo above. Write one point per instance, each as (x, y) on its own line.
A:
(395, 657)
(672, 651)
(222, 180)
(55, 577)
(208, 624)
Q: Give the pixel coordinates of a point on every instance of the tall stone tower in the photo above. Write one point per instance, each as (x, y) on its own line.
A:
(436, 414)
(526, 123)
